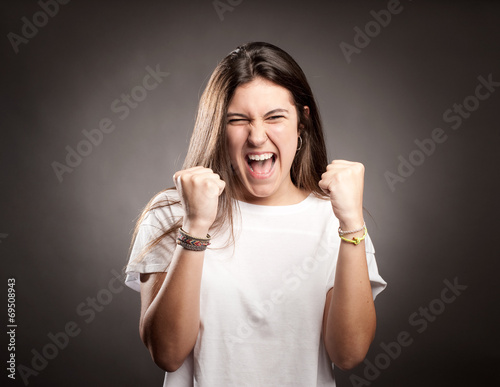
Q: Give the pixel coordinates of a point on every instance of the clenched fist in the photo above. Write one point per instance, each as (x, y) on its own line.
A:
(343, 181)
(199, 190)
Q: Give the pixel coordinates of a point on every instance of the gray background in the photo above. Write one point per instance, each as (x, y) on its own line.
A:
(65, 238)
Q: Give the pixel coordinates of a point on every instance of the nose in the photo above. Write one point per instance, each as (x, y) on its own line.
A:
(257, 135)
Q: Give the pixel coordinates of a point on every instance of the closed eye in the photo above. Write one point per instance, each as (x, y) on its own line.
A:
(237, 121)
(275, 117)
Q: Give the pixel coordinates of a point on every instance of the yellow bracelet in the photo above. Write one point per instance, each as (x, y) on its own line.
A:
(355, 240)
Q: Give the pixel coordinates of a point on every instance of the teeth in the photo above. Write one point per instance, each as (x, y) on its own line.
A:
(261, 157)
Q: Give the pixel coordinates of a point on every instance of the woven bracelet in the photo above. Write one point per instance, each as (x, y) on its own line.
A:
(190, 242)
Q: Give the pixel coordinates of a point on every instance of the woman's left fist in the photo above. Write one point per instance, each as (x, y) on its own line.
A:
(343, 181)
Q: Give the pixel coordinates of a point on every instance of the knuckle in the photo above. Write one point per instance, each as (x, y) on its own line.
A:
(206, 183)
(197, 179)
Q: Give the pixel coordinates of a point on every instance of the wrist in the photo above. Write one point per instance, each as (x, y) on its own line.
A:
(353, 236)
(191, 242)
(195, 229)
(351, 223)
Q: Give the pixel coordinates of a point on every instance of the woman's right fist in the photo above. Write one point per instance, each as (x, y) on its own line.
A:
(199, 190)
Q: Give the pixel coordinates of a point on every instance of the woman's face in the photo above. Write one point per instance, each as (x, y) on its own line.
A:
(262, 138)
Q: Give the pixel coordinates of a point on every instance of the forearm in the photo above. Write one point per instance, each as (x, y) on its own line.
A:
(170, 325)
(350, 321)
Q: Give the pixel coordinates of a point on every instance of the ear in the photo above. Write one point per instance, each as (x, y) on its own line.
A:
(305, 111)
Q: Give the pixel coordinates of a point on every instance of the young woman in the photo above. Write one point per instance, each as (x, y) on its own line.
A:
(286, 285)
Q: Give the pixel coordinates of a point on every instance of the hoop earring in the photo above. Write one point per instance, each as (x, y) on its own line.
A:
(300, 145)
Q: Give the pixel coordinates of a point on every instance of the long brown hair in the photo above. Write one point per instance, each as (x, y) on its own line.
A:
(208, 145)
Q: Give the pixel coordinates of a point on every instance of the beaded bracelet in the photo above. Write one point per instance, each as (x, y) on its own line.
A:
(342, 233)
(190, 242)
(355, 240)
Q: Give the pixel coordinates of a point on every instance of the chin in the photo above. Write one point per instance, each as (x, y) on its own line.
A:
(260, 195)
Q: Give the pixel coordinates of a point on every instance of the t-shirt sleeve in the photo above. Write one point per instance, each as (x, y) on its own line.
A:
(377, 282)
(158, 258)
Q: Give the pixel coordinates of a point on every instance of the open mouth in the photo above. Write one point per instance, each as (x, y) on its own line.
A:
(261, 164)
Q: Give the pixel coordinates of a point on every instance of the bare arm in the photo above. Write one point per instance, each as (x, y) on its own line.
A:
(170, 302)
(170, 309)
(349, 319)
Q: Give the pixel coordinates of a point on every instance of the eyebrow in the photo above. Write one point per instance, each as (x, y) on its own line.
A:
(265, 115)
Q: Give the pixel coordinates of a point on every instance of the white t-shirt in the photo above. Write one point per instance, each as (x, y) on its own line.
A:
(262, 299)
